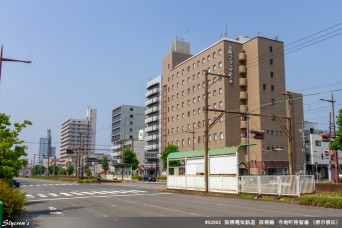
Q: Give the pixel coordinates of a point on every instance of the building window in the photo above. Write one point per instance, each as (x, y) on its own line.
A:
(182, 142)
(214, 105)
(264, 86)
(214, 55)
(188, 113)
(131, 109)
(199, 110)
(214, 93)
(131, 136)
(209, 137)
(172, 130)
(188, 102)
(131, 129)
(219, 52)
(177, 95)
(208, 58)
(182, 127)
(220, 64)
(131, 123)
(221, 136)
(271, 61)
(198, 63)
(182, 104)
(188, 68)
(183, 93)
(188, 79)
(199, 139)
(177, 117)
(272, 74)
(221, 104)
(183, 82)
(189, 141)
(198, 74)
(194, 112)
(198, 86)
(189, 126)
(214, 67)
(131, 116)
(203, 60)
(194, 100)
(177, 84)
(183, 114)
(199, 124)
(173, 76)
(318, 143)
(183, 71)
(271, 49)
(272, 87)
(220, 90)
(199, 98)
(273, 101)
(194, 65)
(215, 137)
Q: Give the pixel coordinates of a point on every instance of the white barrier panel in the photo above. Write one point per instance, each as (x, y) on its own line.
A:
(195, 182)
(223, 184)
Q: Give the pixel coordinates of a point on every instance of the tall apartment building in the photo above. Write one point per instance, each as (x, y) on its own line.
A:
(78, 133)
(153, 126)
(256, 84)
(127, 120)
(44, 147)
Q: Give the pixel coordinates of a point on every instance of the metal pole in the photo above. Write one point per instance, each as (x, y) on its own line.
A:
(289, 127)
(248, 151)
(329, 165)
(206, 132)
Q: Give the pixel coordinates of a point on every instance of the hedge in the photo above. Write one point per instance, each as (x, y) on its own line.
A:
(13, 200)
(333, 200)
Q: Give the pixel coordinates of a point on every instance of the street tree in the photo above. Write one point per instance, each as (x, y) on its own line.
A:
(131, 158)
(38, 169)
(169, 149)
(53, 169)
(12, 150)
(70, 169)
(337, 143)
(105, 164)
(88, 172)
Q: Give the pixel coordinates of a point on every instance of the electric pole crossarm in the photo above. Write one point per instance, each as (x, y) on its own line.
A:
(248, 114)
(215, 121)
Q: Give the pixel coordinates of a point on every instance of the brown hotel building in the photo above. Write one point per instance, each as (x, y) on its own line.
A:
(256, 85)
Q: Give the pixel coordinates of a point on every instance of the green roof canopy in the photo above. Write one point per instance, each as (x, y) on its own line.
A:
(200, 153)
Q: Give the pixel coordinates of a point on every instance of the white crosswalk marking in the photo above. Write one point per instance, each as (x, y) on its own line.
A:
(29, 196)
(65, 194)
(99, 192)
(88, 193)
(38, 185)
(76, 193)
(52, 194)
(106, 192)
(41, 195)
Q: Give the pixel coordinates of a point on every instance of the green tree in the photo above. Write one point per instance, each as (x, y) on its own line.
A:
(105, 164)
(70, 169)
(88, 172)
(38, 169)
(11, 149)
(53, 170)
(337, 144)
(131, 158)
(169, 149)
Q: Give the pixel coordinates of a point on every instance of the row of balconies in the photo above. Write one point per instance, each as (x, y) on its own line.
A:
(150, 110)
(151, 147)
(152, 128)
(152, 100)
(151, 137)
(151, 119)
(152, 91)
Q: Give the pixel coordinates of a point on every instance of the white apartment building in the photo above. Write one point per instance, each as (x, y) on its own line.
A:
(153, 164)
(78, 134)
(44, 147)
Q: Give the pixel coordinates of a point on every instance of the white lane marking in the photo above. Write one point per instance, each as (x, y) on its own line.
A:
(107, 196)
(23, 185)
(29, 196)
(106, 192)
(76, 193)
(41, 195)
(54, 211)
(44, 184)
(66, 194)
(37, 185)
(31, 185)
(52, 194)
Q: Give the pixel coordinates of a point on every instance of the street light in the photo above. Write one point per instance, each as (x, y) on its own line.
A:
(332, 101)
(9, 60)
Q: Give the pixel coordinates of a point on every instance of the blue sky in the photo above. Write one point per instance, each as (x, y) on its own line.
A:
(102, 53)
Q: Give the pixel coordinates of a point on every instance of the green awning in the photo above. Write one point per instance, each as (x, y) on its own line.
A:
(200, 153)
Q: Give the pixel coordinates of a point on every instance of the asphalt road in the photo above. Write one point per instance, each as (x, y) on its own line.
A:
(140, 204)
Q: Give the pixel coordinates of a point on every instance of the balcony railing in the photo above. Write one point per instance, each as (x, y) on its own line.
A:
(243, 124)
(150, 110)
(151, 119)
(151, 101)
(152, 128)
(243, 82)
(153, 91)
(151, 137)
(242, 57)
(243, 108)
(151, 147)
(242, 69)
(243, 95)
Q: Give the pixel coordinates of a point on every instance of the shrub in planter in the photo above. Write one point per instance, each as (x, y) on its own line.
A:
(13, 200)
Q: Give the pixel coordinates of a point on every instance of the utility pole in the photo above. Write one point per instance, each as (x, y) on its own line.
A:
(329, 166)
(206, 132)
(289, 128)
(332, 101)
(193, 136)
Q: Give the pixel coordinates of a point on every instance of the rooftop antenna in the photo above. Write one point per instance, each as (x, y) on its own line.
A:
(276, 37)
(258, 32)
(225, 34)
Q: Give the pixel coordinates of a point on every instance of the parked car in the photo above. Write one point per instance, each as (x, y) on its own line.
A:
(16, 183)
(149, 178)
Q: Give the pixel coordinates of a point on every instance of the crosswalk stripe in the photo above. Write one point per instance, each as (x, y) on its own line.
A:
(52, 194)
(98, 192)
(76, 193)
(87, 193)
(41, 195)
(66, 194)
(29, 196)
(106, 192)
(37, 185)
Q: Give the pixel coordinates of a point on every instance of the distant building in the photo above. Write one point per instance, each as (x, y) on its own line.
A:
(44, 147)
(317, 152)
(79, 134)
(153, 164)
(127, 120)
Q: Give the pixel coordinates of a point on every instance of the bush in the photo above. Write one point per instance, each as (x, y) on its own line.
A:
(322, 200)
(162, 178)
(137, 177)
(13, 200)
(84, 181)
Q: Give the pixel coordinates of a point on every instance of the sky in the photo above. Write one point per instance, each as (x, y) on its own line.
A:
(101, 54)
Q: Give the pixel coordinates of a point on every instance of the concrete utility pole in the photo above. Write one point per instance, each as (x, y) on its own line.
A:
(206, 132)
(289, 128)
(332, 101)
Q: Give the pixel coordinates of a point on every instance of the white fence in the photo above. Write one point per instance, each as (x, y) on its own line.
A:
(274, 185)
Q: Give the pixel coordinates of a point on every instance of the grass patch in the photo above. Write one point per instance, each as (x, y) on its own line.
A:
(246, 195)
(333, 200)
